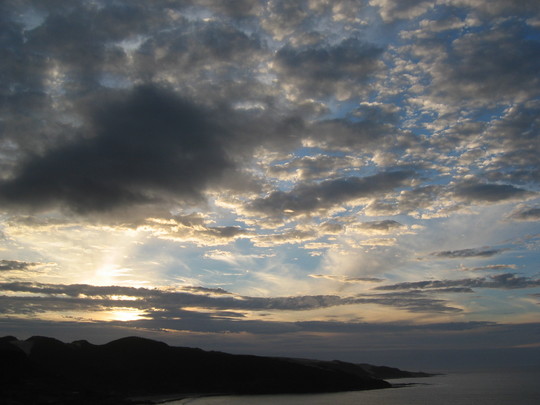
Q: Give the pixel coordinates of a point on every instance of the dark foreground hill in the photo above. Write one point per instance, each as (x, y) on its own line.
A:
(46, 370)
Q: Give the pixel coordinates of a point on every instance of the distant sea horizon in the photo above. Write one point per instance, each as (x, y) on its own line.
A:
(496, 387)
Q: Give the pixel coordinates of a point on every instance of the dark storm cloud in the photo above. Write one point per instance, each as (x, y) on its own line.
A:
(465, 253)
(148, 143)
(316, 71)
(505, 281)
(306, 198)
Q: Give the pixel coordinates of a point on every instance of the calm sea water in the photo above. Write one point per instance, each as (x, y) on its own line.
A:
(511, 388)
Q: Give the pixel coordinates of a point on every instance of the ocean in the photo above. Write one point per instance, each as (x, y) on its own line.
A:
(479, 388)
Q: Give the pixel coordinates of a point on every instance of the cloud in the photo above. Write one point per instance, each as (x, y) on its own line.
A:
(509, 139)
(317, 167)
(497, 7)
(192, 228)
(327, 70)
(401, 9)
(9, 265)
(489, 193)
(345, 279)
(276, 129)
(173, 299)
(418, 199)
(147, 144)
(491, 66)
(525, 213)
(167, 305)
(415, 303)
(505, 281)
(466, 253)
(371, 126)
(293, 236)
(378, 227)
(308, 198)
(489, 267)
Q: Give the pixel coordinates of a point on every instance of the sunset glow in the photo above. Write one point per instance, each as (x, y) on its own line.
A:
(257, 171)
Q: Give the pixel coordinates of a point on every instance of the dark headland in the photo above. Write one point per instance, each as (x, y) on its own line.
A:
(42, 370)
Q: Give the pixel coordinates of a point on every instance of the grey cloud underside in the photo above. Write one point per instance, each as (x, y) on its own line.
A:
(505, 281)
(489, 267)
(64, 153)
(315, 71)
(472, 335)
(344, 279)
(490, 192)
(526, 214)
(382, 226)
(9, 265)
(147, 143)
(311, 167)
(326, 194)
(151, 105)
(491, 65)
(56, 297)
(464, 253)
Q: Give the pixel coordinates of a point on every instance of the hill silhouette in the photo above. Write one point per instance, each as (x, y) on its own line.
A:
(46, 370)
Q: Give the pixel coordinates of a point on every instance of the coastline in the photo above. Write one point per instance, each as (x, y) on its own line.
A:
(459, 388)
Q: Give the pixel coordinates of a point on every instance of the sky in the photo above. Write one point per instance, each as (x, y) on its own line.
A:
(353, 180)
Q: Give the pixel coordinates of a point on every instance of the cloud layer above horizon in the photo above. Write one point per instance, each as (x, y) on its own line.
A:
(264, 167)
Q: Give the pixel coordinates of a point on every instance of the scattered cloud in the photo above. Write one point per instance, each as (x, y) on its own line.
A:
(9, 265)
(502, 281)
(525, 213)
(489, 267)
(325, 70)
(466, 253)
(376, 227)
(168, 305)
(345, 279)
(310, 198)
(231, 153)
(490, 193)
